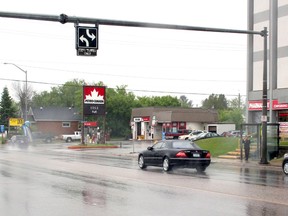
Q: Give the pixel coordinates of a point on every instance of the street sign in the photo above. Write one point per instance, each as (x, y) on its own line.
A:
(86, 40)
(90, 124)
(18, 122)
(2, 129)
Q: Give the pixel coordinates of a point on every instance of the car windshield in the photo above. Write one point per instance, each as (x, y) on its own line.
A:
(184, 145)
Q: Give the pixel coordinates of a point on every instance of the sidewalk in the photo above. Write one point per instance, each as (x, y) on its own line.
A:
(249, 163)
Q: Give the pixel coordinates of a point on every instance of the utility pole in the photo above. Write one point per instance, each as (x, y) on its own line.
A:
(26, 89)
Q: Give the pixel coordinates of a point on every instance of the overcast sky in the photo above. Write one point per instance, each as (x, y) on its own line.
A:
(148, 61)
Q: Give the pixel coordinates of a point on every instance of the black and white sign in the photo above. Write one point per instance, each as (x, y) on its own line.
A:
(87, 40)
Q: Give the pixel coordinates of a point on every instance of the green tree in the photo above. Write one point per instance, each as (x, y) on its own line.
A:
(46, 98)
(163, 101)
(64, 96)
(231, 116)
(119, 105)
(215, 101)
(7, 108)
(234, 113)
(236, 103)
(70, 92)
(185, 102)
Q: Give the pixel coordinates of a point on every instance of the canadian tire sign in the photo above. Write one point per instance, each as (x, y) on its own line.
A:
(94, 100)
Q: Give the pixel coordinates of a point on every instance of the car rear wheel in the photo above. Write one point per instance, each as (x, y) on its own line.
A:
(166, 164)
(200, 168)
(141, 162)
(48, 140)
(69, 139)
(285, 167)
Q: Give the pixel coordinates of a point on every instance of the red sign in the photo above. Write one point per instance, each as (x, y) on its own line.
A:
(90, 124)
(146, 119)
(94, 100)
(257, 105)
(94, 94)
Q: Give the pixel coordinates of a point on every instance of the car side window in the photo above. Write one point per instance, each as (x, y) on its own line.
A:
(158, 145)
(164, 146)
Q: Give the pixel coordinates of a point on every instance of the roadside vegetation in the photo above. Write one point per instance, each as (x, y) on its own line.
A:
(219, 145)
(222, 145)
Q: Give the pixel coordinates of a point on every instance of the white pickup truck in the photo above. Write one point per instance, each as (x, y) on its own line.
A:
(72, 137)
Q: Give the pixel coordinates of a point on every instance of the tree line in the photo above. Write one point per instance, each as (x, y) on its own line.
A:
(119, 104)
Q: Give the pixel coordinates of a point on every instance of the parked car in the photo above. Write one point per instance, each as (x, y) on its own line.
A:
(175, 135)
(175, 153)
(285, 164)
(44, 137)
(188, 136)
(205, 136)
(71, 137)
(193, 137)
(231, 133)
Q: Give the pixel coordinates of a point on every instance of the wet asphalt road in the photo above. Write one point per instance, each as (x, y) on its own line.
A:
(52, 180)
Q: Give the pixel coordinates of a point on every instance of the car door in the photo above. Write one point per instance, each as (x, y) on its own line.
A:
(155, 154)
(160, 152)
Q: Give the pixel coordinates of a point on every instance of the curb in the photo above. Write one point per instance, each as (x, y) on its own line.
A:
(250, 163)
(91, 147)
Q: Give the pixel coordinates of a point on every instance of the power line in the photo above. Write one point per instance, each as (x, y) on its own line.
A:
(132, 90)
(137, 77)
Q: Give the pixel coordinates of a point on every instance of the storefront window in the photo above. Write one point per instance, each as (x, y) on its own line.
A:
(282, 117)
(283, 128)
(182, 125)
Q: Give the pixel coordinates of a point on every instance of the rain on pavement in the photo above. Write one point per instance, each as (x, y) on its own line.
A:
(49, 179)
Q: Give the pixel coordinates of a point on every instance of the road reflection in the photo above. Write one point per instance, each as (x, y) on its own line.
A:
(261, 177)
(92, 197)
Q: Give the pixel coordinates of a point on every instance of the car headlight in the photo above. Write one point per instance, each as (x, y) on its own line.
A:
(286, 155)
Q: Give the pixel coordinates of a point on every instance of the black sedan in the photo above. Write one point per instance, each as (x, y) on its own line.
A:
(285, 164)
(175, 153)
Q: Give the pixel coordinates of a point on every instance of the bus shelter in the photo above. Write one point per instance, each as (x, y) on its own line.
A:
(254, 131)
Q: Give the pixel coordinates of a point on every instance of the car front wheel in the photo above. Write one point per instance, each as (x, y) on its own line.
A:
(166, 164)
(285, 167)
(141, 162)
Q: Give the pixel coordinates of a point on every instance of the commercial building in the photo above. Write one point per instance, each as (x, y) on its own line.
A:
(272, 14)
(150, 122)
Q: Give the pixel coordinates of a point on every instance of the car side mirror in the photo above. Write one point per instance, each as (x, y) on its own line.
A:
(150, 148)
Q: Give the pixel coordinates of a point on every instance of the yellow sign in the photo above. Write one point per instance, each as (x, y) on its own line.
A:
(16, 121)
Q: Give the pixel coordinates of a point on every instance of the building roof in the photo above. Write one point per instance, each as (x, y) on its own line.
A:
(55, 114)
(173, 114)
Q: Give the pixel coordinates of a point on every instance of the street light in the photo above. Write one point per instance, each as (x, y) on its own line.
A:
(26, 90)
